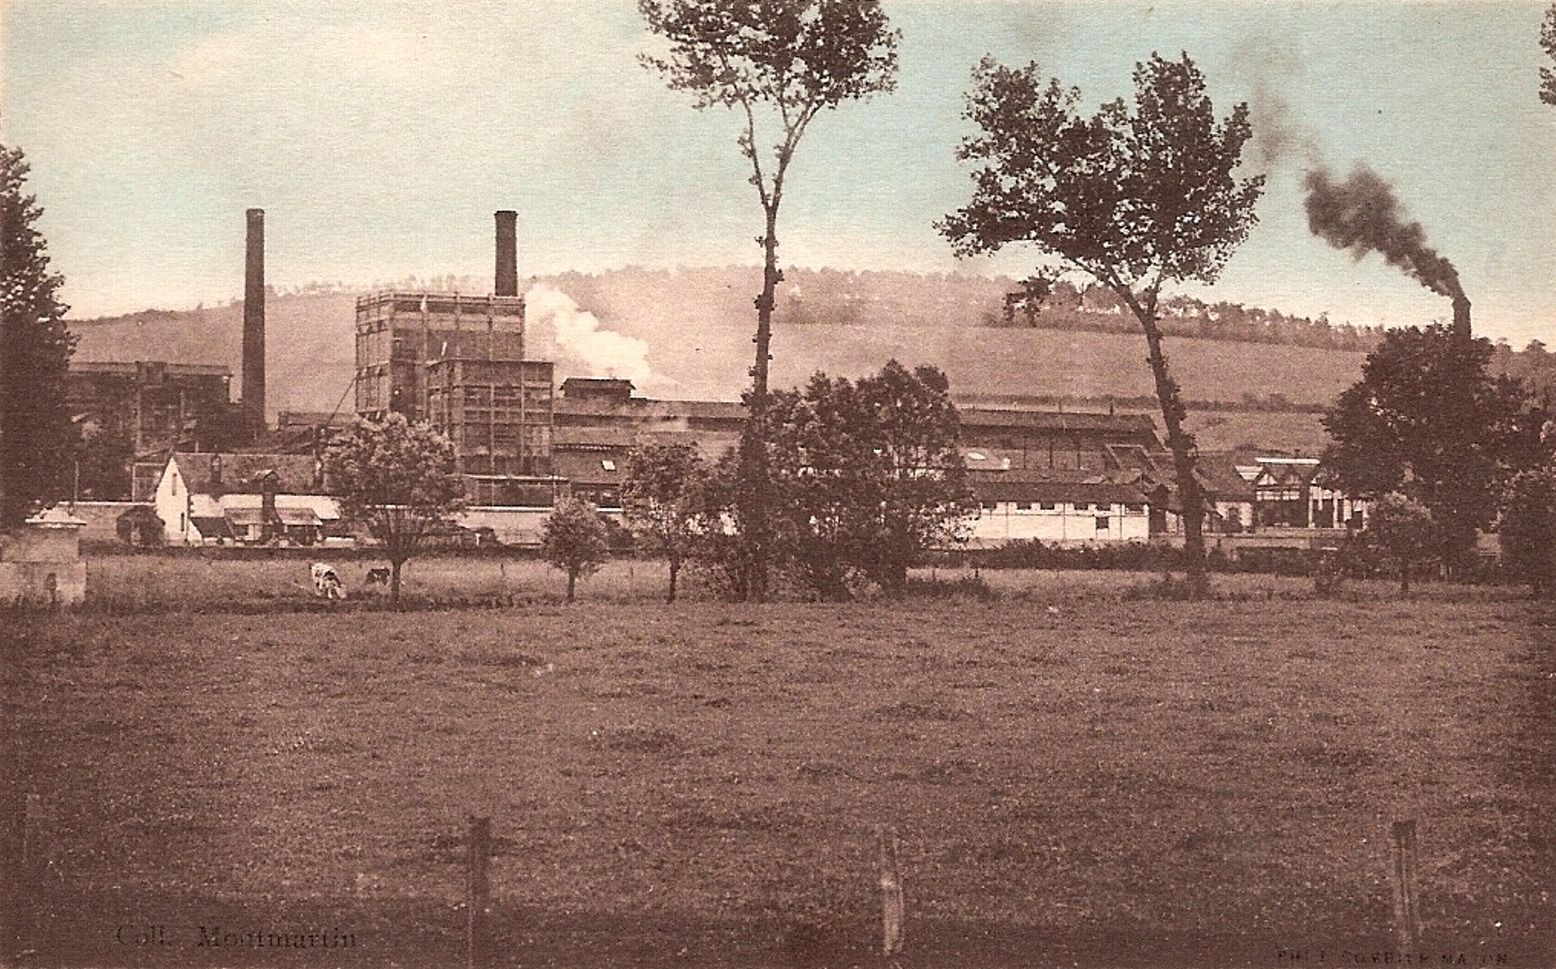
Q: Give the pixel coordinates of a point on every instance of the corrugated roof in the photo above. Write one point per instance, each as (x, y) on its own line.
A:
(211, 527)
(1215, 470)
(288, 516)
(643, 408)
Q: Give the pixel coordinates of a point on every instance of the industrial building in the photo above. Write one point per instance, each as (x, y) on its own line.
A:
(152, 405)
(458, 363)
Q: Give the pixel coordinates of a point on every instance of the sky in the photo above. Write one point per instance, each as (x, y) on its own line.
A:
(379, 137)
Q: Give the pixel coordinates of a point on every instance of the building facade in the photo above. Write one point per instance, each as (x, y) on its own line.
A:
(458, 363)
(153, 405)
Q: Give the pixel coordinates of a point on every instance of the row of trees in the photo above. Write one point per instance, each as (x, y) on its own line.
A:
(1093, 308)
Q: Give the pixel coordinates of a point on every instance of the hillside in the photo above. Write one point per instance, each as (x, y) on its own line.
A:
(687, 334)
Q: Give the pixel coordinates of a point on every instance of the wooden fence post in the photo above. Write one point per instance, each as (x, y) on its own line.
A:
(891, 894)
(27, 891)
(1402, 875)
(478, 889)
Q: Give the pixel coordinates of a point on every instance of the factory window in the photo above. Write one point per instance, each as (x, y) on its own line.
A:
(1083, 506)
(608, 464)
(1102, 523)
(1047, 506)
(1134, 509)
(1023, 506)
(990, 505)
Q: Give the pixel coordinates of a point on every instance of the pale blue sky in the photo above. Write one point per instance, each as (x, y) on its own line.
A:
(380, 136)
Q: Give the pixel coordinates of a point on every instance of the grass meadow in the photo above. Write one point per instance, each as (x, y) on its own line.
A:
(1078, 773)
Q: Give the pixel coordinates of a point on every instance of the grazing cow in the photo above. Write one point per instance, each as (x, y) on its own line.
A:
(377, 576)
(326, 581)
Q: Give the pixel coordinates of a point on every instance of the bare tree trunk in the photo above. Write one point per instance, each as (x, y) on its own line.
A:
(1181, 443)
(394, 581)
(572, 582)
(675, 570)
(754, 470)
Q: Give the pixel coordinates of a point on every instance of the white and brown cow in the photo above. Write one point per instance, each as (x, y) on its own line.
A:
(326, 581)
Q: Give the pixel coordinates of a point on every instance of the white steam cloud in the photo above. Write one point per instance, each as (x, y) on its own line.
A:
(582, 347)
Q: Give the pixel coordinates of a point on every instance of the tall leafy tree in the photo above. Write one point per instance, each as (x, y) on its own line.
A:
(1134, 197)
(36, 437)
(1548, 44)
(658, 499)
(574, 540)
(778, 64)
(397, 479)
(1429, 421)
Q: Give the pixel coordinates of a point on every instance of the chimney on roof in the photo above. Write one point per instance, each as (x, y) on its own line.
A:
(254, 319)
(507, 281)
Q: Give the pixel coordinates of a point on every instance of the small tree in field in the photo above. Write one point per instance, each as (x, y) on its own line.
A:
(1527, 530)
(1132, 197)
(658, 500)
(575, 541)
(779, 64)
(915, 446)
(399, 480)
(1404, 531)
(867, 476)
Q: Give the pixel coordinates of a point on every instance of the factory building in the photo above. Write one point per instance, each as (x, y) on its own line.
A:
(149, 403)
(458, 362)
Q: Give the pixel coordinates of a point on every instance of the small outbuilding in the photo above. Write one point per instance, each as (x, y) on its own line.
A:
(40, 561)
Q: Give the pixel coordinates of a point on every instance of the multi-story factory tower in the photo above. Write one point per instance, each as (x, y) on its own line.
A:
(458, 362)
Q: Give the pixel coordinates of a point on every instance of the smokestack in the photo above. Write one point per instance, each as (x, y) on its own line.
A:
(1461, 318)
(507, 282)
(254, 319)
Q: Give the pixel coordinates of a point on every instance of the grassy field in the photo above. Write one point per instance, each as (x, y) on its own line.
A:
(1078, 774)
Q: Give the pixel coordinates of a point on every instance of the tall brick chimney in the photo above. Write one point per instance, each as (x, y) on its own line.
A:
(1461, 318)
(507, 281)
(254, 319)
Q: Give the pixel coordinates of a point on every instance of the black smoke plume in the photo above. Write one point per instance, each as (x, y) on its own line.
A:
(1361, 215)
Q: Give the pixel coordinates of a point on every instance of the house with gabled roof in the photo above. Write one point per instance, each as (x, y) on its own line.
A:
(209, 498)
(1299, 492)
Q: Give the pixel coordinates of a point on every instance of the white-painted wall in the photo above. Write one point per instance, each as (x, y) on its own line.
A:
(1062, 523)
(172, 502)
